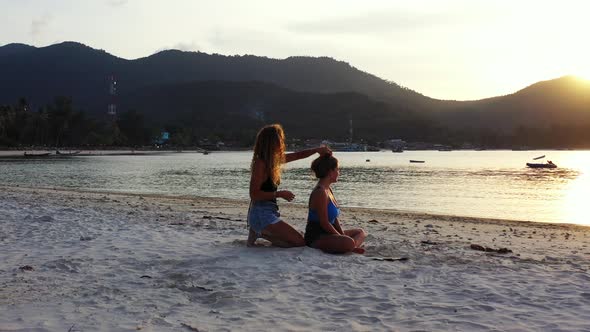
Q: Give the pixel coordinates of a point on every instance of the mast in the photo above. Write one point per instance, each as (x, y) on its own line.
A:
(350, 131)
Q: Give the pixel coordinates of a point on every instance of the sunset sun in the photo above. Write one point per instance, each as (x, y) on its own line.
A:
(581, 72)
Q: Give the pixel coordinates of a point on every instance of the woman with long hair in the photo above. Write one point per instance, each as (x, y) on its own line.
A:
(323, 230)
(264, 219)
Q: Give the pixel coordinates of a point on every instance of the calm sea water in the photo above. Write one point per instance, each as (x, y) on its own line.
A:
(493, 184)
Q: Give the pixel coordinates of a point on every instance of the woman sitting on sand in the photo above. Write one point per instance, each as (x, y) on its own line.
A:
(263, 216)
(323, 229)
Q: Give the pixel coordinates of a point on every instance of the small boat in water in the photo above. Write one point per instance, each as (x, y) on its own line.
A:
(548, 164)
(35, 155)
(59, 153)
(417, 161)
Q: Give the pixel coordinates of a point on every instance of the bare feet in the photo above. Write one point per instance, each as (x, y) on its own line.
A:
(358, 250)
(251, 238)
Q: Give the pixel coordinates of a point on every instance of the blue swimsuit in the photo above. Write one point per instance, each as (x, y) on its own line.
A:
(333, 213)
(314, 230)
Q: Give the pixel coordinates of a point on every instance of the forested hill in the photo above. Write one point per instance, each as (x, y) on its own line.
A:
(217, 106)
(81, 72)
(563, 101)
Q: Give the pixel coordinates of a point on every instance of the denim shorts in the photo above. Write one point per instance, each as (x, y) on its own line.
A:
(262, 214)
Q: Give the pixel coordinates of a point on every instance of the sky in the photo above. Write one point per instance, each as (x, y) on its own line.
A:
(461, 50)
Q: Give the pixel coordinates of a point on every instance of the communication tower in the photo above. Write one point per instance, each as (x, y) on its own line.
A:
(112, 108)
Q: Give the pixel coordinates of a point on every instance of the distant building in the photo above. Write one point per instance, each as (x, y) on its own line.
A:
(345, 147)
(419, 146)
(163, 139)
(206, 144)
(396, 144)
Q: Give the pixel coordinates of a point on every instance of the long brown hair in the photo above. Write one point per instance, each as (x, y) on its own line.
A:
(270, 148)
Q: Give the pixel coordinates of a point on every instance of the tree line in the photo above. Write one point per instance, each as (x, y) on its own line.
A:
(58, 124)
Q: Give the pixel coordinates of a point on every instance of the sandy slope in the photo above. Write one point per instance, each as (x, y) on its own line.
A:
(109, 262)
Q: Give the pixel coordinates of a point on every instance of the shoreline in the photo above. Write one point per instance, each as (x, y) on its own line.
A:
(91, 153)
(51, 153)
(285, 205)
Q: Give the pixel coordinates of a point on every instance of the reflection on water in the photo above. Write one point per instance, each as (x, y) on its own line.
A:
(492, 184)
(575, 203)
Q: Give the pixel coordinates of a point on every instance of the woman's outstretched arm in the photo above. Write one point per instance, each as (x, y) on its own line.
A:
(322, 150)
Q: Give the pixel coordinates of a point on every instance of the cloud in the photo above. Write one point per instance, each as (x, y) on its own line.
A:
(396, 20)
(187, 47)
(39, 25)
(117, 3)
(252, 41)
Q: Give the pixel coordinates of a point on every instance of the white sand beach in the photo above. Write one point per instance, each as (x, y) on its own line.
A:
(87, 261)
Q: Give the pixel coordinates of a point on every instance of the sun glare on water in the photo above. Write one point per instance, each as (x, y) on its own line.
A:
(575, 206)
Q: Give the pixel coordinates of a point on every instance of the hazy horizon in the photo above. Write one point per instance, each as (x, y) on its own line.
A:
(456, 50)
